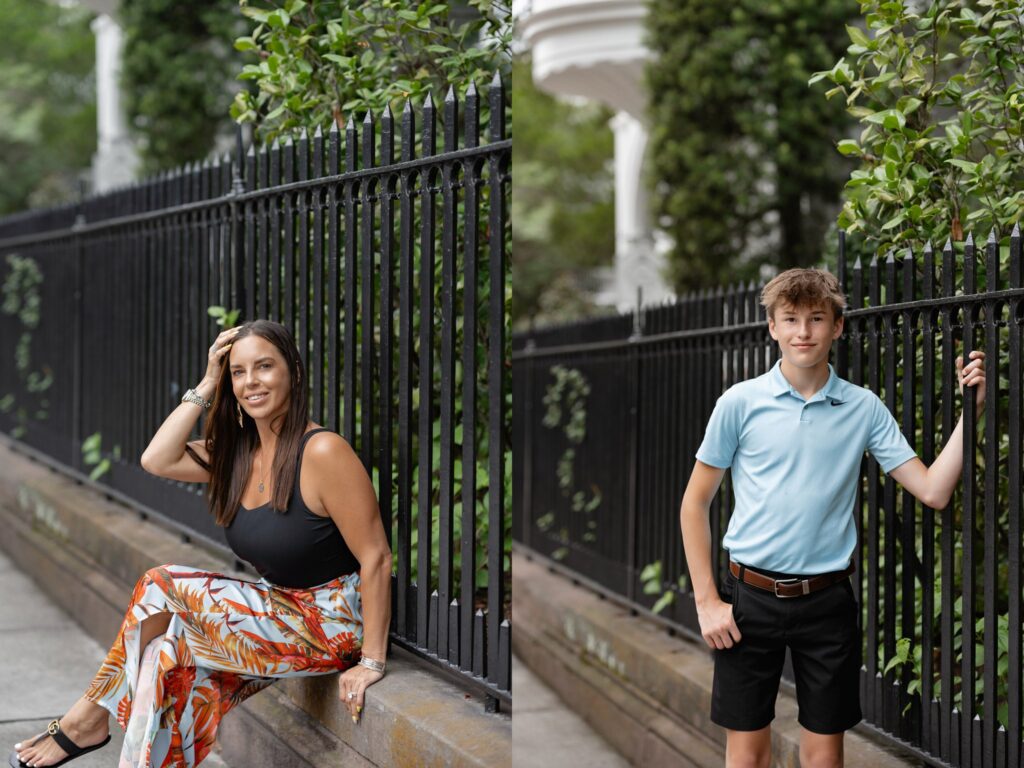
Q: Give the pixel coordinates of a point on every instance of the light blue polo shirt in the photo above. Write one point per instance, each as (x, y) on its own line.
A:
(794, 468)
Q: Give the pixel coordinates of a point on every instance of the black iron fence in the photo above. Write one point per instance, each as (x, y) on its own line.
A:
(609, 414)
(389, 264)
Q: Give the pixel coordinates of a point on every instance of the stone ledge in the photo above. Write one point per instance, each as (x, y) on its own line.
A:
(648, 693)
(87, 553)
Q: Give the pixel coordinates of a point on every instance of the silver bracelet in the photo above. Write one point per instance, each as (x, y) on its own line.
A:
(376, 666)
(191, 396)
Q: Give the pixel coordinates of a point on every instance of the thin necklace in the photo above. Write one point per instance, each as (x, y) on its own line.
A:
(261, 473)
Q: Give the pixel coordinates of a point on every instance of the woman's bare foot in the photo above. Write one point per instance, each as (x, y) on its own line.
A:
(86, 724)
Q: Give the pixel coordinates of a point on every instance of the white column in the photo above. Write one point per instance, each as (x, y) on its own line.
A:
(639, 262)
(116, 162)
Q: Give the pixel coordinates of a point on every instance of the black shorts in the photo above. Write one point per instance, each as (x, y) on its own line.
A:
(821, 631)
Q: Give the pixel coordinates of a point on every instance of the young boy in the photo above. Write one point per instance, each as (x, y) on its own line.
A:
(793, 439)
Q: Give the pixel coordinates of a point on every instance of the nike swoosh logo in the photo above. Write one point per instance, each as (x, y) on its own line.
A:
(836, 402)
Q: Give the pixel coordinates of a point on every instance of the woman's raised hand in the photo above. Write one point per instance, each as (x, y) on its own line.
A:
(218, 353)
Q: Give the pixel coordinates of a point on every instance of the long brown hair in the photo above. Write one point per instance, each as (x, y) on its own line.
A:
(231, 447)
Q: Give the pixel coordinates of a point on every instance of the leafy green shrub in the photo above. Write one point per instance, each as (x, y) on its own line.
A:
(940, 98)
(328, 59)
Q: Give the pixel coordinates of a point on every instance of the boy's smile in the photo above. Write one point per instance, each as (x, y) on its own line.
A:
(805, 335)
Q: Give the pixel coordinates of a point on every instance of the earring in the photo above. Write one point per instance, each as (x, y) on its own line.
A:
(239, 407)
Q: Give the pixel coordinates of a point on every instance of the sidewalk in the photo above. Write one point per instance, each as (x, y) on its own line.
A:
(46, 662)
(547, 734)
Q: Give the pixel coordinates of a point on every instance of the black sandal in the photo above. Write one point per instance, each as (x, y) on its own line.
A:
(53, 730)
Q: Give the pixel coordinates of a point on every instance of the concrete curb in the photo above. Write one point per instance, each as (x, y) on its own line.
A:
(648, 693)
(87, 553)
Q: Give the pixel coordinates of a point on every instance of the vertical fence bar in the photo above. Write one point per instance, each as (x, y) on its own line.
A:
(950, 713)
(425, 381)
(302, 267)
(288, 253)
(967, 528)
(843, 345)
(1014, 493)
(874, 698)
(334, 255)
(446, 479)
(910, 722)
(469, 376)
(367, 190)
(633, 372)
(991, 453)
(929, 705)
(248, 266)
(857, 372)
(498, 664)
(274, 233)
(263, 235)
(406, 237)
(350, 278)
(387, 313)
(315, 369)
(234, 276)
(891, 699)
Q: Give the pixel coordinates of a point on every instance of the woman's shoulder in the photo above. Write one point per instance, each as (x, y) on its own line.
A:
(325, 446)
(328, 460)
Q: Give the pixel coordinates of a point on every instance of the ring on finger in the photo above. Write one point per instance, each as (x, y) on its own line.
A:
(351, 695)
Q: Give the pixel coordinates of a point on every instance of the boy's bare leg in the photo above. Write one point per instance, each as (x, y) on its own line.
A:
(820, 750)
(748, 749)
(86, 723)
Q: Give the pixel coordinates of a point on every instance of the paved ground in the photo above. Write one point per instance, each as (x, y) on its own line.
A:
(46, 662)
(547, 734)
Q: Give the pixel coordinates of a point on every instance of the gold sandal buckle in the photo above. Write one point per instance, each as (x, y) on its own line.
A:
(53, 727)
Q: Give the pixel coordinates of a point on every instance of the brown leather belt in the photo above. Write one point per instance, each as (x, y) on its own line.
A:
(789, 587)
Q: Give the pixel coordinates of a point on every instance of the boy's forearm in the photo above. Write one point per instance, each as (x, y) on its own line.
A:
(693, 520)
(945, 471)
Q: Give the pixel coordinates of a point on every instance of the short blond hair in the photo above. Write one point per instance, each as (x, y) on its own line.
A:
(804, 288)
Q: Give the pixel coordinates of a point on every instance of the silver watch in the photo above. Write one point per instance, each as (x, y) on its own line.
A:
(191, 396)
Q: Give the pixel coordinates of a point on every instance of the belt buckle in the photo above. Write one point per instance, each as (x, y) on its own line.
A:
(787, 582)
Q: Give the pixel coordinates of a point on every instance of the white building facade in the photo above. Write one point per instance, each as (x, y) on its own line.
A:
(594, 49)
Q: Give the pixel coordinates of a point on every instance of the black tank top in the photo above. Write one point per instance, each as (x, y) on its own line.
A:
(297, 548)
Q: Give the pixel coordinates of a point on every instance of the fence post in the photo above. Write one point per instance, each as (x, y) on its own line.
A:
(527, 444)
(842, 346)
(634, 443)
(79, 308)
(233, 287)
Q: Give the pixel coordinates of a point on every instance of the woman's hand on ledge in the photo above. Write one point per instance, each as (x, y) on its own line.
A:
(356, 680)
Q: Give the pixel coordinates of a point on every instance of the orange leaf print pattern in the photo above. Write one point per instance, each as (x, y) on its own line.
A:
(227, 640)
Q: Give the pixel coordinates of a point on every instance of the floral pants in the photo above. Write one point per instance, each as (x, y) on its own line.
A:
(227, 639)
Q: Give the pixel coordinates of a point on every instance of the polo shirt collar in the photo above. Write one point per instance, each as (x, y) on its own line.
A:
(780, 386)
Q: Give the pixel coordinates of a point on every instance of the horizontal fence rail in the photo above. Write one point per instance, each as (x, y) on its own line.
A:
(610, 413)
(383, 247)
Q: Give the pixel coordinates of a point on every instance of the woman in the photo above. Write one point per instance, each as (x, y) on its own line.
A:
(295, 502)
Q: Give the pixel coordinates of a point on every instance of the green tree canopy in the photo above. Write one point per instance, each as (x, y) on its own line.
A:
(177, 75)
(563, 205)
(940, 98)
(47, 103)
(742, 157)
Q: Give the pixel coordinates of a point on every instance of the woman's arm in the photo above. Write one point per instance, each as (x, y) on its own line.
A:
(345, 491)
(165, 455)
